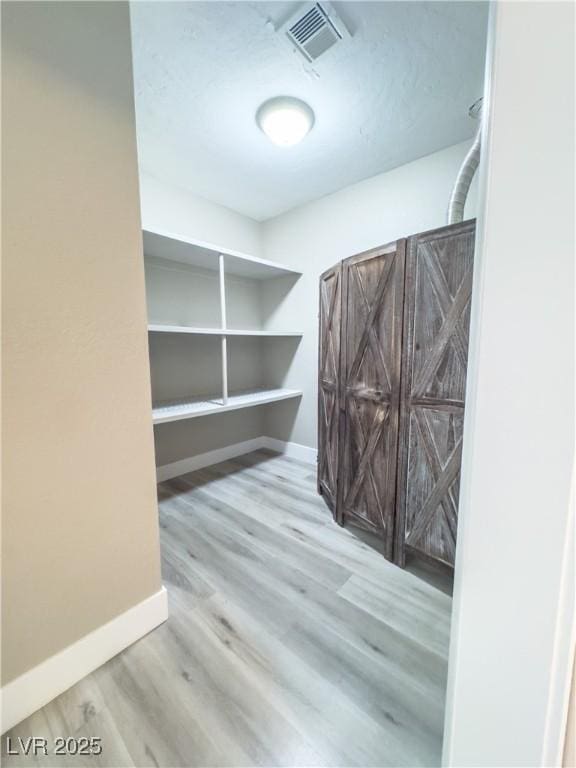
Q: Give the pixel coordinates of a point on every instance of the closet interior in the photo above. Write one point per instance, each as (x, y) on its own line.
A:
(308, 320)
(241, 255)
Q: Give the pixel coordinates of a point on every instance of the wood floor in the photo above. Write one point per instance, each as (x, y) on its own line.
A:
(290, 641)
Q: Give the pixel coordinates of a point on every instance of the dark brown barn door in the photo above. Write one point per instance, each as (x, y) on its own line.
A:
(435, 353)
(329, 383)
(371, 351)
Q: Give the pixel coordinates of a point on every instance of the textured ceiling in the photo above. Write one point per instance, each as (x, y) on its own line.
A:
(397, 90)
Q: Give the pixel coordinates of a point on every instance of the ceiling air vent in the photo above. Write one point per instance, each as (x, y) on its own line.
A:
(315, 30)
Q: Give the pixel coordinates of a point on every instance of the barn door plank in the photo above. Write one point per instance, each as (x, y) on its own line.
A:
(330, 316)
(438, 290)
(372, 309)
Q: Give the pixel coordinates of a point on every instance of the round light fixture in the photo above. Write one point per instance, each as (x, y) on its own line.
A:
(285, 120)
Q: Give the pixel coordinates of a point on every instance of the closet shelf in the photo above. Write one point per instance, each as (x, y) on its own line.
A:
(160, 328)
(189, 408)
(164, 245)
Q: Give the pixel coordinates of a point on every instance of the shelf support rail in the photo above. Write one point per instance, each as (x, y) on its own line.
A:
(223, 340)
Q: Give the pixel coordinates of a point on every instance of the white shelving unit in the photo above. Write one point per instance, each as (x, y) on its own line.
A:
(198, 279)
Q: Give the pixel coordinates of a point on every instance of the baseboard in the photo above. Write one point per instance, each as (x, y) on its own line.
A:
(292, 450)
(177, 468)
(35, 688)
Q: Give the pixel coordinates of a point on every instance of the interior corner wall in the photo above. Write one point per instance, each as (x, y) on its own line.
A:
(174, 209)
(170, 208)
(409, 199)
(79, 531)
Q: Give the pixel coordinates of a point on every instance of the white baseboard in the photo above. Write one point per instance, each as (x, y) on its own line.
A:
(201, 460)
(177, 468)
(292, 450)
(35, 688)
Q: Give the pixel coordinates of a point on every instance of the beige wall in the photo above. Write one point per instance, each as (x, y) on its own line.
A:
(80, 537)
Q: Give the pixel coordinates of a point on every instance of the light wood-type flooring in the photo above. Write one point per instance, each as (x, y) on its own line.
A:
(290, 642)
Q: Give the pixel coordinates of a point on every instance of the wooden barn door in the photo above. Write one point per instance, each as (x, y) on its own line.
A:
(329, 383)
(371, 351)
(435, 352)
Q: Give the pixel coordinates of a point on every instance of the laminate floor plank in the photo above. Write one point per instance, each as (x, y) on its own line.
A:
(176, 571)
(276, 463)
(311, 701)
(308, 595)
(103, 726)
(36, 725)
(302, 522)
(249, 728)
(405, 605)
(244, 500)
(150, 708)
(275, 542)
(75, 707)
(290, 641)
(416, 676)
(263, 486)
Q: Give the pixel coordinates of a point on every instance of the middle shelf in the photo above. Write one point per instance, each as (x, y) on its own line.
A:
(161, 328)
(191, 407)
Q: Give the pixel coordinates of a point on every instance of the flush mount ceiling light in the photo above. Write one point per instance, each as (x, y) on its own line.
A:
(285, 120)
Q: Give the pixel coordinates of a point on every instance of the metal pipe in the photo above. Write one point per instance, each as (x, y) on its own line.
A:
(466, 172)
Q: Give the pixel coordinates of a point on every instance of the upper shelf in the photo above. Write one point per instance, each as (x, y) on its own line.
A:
(165, 245)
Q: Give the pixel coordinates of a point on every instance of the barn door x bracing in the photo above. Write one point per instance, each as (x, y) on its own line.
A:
(373, 287)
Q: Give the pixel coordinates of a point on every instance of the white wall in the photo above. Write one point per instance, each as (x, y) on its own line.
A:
(175, 209)
(569, 751)
(407, 200)
(513, 620)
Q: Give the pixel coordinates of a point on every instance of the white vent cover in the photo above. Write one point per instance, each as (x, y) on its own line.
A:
(314, 30)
